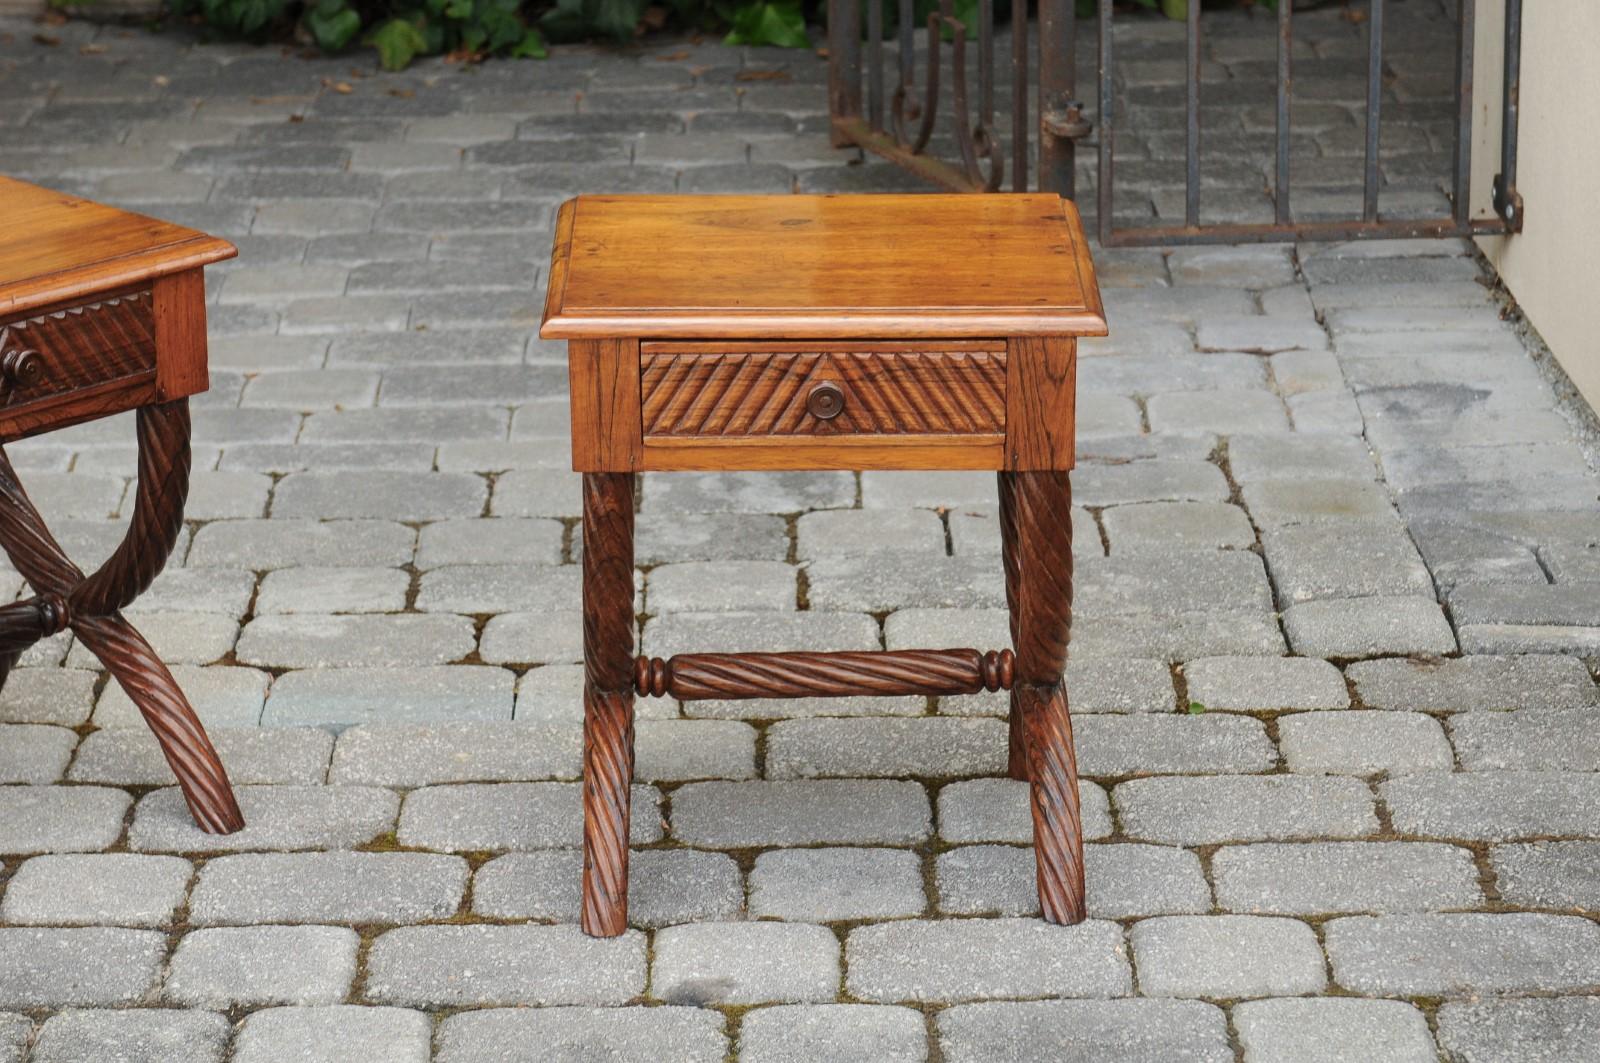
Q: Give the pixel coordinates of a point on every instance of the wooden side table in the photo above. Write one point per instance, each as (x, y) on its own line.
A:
(103, 311)
(826, 332)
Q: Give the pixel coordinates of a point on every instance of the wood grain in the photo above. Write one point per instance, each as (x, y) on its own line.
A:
(770, 454)
(807, 267)
(604, 381)
(55, 248)
(688, 391)
(180, 327)
(1041, 392)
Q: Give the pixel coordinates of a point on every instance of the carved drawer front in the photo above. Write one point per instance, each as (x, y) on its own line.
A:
(95, 347)
(728, 390)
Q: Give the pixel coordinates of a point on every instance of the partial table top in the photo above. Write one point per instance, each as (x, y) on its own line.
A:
(814, 267)
(55, 247)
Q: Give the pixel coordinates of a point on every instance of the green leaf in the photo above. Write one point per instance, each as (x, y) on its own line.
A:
(398, 42)
(332, 23)
(1195, 708)
(773, 22)
(531, 46)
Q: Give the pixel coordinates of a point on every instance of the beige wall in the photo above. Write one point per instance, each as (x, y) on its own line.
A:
(1553, 265)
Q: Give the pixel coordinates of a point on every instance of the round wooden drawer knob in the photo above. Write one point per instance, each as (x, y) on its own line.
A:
(826, 401)
(20, 369)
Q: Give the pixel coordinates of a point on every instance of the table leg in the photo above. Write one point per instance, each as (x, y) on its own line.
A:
(1036, 537)
(607, 698)
(92, 605)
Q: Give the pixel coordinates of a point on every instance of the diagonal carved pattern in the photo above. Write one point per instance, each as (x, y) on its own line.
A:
(763, 393)
(85, 345)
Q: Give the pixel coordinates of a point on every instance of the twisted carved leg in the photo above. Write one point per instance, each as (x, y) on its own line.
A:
(92, 606)
(608, 685)
(1036, 534)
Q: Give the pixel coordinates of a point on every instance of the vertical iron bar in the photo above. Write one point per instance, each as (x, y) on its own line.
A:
(875, 64)
(1107, 110)
(1280, 186)
(844, 66)
(1191, 188)
(1019, 95)
(986, 63)
(1463, 175)
(1369, 183)
(1507, 202)
(1057, 79)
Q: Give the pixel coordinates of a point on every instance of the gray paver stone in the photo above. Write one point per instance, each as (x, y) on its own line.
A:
(332, 590)
(1495, 806)
(737, 815)
(1363, 743)
(1226, 956)
(1468, 683)
(1452, 955)
(1155, 527)
(14, 1033)
(475, 817)
(223, 696)
(1085, 1031)
(1336, 1030)
(1345, 560)
(231, 967)
(665, 886)
(276, 817)
(841, 1033)
(134, 1036)
(334, 1034)
(1147, 743)
(317, 640)
(355, 888)
(744, 963)
(456, 966)
(34, 754)
(341, 696)
(835, 885)
(1564, 1030)
(58, 696)
(1122, 881)
(710, 586)
(120, 889)
(927, 746)
(1265, 683)
(680, 750)
(1368, 627)
(843, 532)
(1562, 875)
(577, 1035)
(40, 819)
(1203, 811)
(81, 967)
(976, 959)
(996, 810)
(125, 756)
(412, 755)
(1318, 877)
(1557, 740)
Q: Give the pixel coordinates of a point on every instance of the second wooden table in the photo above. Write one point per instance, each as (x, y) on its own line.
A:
(826, 332)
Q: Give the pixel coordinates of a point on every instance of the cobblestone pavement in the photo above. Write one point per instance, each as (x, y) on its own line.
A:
(1338, 565)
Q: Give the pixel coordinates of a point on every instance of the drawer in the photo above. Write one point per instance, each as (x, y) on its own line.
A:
(75, 354)
(815, 391)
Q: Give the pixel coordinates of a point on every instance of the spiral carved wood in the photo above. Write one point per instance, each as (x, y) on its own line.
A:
(1036, 538)
(91, 607)
(607, 699)
(703, 676)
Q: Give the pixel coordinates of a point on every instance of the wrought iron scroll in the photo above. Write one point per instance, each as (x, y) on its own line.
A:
(900, 124)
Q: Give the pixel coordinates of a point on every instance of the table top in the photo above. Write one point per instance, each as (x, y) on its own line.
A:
(812, 267)
(55, 248)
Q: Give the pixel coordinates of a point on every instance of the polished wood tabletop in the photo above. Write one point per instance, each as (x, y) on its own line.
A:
(55, 248)
(807, 267)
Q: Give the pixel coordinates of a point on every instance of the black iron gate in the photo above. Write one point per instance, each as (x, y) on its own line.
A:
(899, 118)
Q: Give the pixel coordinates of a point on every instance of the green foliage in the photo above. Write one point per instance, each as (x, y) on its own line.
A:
(1196, 708)
(775, 22)
(250, 19)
